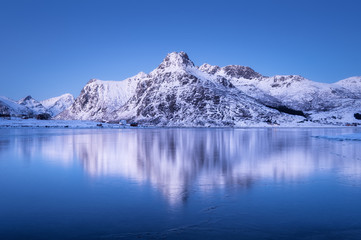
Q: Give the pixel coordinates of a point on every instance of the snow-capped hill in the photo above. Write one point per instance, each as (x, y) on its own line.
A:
(281, 85)
(353, 84)
(302, 94)
(32, 104)
(12, 108)
(356, 80)
(48, 103)
(58, 104)
(293, 91)
(99, 98)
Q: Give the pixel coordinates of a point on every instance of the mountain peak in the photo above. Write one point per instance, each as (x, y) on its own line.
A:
(92, 80)
(27, 98)
(141, 75)
(176, 60)
(32, 104)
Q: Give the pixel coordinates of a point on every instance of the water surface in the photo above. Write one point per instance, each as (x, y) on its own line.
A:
(180, 184)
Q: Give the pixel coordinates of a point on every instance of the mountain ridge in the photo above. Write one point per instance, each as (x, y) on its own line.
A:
(178, 93)
(30, 107)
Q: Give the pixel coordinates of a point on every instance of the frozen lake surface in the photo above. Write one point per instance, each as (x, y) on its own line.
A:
(256, 183)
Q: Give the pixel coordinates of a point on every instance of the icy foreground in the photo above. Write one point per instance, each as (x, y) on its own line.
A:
(178, 93)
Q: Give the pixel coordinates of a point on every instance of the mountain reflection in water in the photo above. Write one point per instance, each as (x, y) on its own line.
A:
(172, 160)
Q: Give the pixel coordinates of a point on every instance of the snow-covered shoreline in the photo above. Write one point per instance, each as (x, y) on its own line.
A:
(34, 123)
(74, 124)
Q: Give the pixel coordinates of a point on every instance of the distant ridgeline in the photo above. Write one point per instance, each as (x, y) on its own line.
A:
(28, 107)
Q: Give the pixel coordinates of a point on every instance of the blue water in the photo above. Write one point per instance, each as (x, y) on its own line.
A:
(179, 184)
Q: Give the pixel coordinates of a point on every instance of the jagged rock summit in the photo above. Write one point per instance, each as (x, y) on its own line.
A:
(233, 71)
(174, 61)
(178, 93)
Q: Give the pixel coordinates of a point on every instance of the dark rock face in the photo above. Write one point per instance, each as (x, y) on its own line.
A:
(88, 97)
(241, 72)
(27, 98)
(357, 116)
(288, 110)
(43, 116)
(87, 102)
(5, 115)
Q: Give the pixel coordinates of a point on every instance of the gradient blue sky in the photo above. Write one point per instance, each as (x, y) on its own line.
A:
(52, 47)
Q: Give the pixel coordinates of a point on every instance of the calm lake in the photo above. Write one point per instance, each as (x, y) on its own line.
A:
(256, 183)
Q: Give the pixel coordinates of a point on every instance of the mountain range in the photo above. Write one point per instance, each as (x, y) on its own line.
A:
(179, 93)
(30, 107)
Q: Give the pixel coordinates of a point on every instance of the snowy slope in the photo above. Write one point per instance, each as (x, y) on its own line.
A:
(58, 104)
(300, 93)
(340, 115)
(99, 98)
(10, 107)
(327, 103)
(352, 84)
(293, 91)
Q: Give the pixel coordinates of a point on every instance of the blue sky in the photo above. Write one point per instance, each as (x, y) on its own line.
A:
(52, 47)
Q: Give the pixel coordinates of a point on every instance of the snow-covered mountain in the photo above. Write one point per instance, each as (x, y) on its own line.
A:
(30, 107)
(99, 99)
(178, 93)
(293, 91)
(58, 104)
(10, 107)
(352, 84)
(35, 106)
